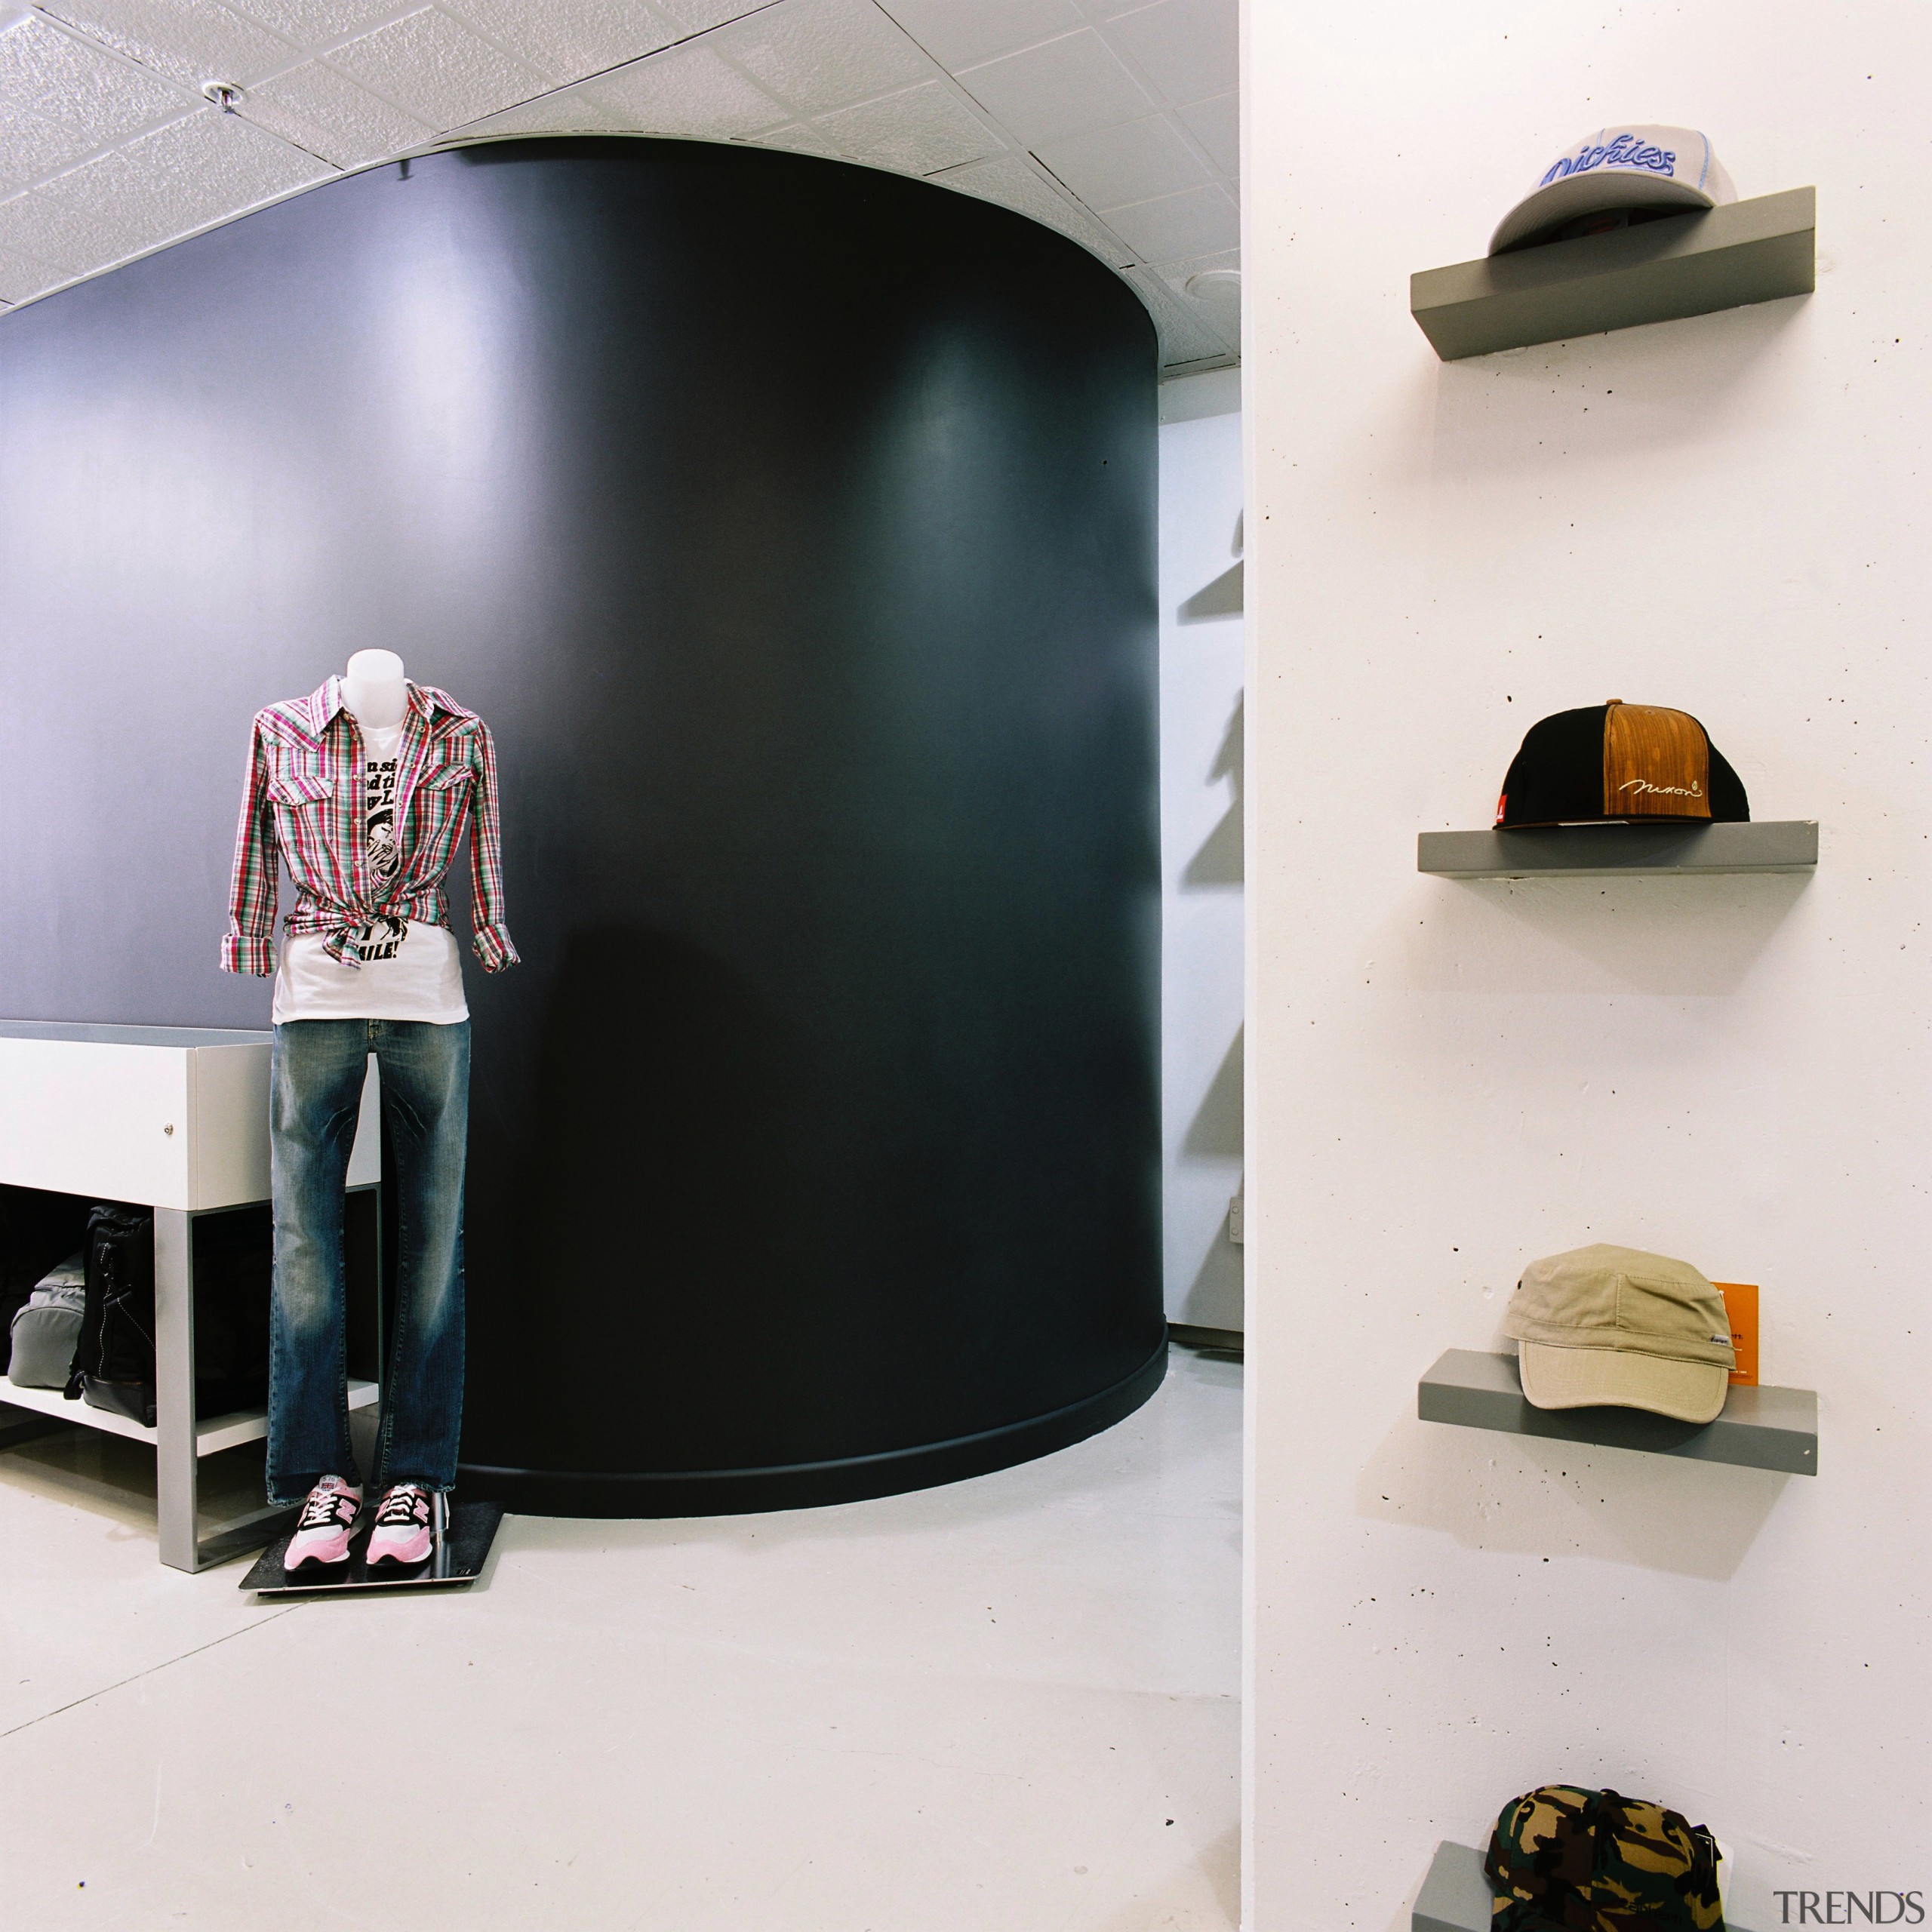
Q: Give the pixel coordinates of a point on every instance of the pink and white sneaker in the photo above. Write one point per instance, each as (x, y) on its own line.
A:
(401, 1535)
(327, 1525)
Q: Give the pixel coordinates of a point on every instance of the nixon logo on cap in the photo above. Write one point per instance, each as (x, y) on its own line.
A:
(1619, 761)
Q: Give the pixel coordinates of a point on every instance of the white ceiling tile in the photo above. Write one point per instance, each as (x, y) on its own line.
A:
(1216, 124)
(87, 93)
(39, 224)
(1176, 272)
(689, 91)
(189, 40)
(22, 277)
(1189, 49)
(30, 147)
(1215, 307)
(1188, 335)
(1060, 88)
(1132, 162)
(1013, 182)
(569, 111)
(801, 137)
(565, 40)
(329, 114)
(1216, 292)
(820, 54)
(182, 177)
(849, 78)
(918, 132)
(959, 33)
(433, 67)
(697, 15)
(314, 23)
(1195, 223)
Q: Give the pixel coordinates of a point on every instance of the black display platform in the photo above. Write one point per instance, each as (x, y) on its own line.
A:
(461, 1551)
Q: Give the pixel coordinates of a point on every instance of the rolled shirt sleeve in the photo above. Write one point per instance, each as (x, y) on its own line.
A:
(491, 934)
(249, 944)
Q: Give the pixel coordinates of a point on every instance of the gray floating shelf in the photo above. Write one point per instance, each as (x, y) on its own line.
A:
(1759, 1429)
(1455, 1897)
(1578, 851)
(1684, 265)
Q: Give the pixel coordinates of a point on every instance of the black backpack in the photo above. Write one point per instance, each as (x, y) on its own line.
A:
(114, 1365)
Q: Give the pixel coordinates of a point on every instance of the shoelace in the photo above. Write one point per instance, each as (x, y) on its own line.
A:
(405, 1503)
(326, 1508)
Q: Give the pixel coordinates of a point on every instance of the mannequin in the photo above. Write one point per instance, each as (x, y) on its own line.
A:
(374, 691)
(364, 789)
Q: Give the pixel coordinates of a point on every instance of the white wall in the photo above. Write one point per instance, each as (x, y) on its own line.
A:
(1200, 844)
(1729, 514)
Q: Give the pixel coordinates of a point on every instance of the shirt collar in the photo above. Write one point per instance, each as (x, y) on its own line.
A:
(327, 701)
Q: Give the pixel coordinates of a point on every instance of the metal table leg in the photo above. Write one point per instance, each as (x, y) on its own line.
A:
(176, 1471)
(177, 1463)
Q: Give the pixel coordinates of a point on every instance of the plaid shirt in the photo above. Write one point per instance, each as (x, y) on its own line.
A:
(305, 803)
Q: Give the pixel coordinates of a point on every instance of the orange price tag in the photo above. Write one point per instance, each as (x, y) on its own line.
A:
(1740, 1302)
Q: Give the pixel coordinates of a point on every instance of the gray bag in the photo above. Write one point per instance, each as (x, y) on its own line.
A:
(46, 1331)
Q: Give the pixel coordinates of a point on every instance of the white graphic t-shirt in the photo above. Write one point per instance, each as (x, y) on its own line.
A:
(408, 972)
(385, 855)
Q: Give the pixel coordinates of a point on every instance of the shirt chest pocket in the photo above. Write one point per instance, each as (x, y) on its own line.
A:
(301, 799)
(436, 803)
(297, 790)
(443, 786)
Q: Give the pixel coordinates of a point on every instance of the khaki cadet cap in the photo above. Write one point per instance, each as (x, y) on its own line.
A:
(1604, 1324)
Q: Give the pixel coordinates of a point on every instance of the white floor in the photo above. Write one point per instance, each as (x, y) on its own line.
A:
(1007, 1705)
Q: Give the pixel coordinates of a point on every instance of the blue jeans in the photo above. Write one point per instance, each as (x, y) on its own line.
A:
(316, 1094)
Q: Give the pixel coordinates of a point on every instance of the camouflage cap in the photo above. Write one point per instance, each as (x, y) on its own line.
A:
(1562, 1860)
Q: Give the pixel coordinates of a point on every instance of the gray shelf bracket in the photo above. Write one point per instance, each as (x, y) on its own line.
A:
(1455, 1897)
(1635, 851)
(1759, 1429)
(1685, 264)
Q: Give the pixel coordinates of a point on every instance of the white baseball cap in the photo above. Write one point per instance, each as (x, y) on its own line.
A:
(1619, 167)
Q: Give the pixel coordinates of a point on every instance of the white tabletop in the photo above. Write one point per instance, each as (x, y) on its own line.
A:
(98, 1034)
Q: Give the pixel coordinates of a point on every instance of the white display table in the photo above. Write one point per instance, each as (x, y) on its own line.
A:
(175, 1118)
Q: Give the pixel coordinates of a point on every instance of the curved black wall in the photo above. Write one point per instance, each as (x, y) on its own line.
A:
(792, 525)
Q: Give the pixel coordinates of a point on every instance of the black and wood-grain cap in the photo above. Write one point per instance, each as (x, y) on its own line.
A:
(1619, 761)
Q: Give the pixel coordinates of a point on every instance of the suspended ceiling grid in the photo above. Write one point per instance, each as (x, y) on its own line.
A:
(1114, 123)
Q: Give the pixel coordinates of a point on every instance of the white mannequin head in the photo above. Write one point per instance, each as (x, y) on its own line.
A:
(373, 691)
